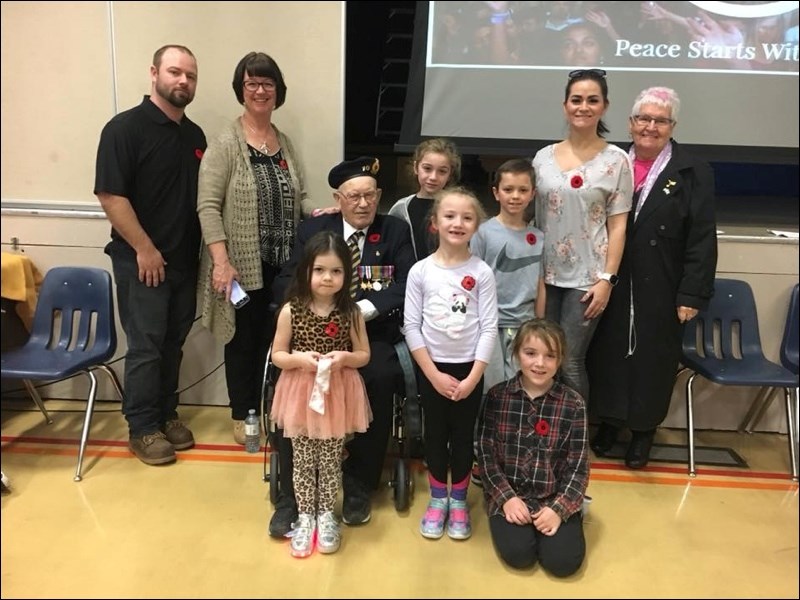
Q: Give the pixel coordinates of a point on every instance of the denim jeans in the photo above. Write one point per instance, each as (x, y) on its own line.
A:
(564, 306)
(156, 321)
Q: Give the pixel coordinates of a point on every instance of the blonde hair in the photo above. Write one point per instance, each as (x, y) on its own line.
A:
(457, 190)
(441, 146)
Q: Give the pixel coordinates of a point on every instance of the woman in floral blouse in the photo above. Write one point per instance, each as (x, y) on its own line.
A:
(584, 188)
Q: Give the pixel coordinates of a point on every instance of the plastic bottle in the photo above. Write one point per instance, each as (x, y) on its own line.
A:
(252, 432)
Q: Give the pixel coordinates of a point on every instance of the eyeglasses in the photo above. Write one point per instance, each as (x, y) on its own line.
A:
(252, 86)
(355, 197)
(644, 121)
(586, 72)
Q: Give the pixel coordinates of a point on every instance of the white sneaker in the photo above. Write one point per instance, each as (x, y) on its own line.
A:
(303, 535)
(329, 536)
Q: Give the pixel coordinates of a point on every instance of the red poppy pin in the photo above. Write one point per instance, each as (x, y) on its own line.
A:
(331, 329)
(576, 181)
(374, 238)
(530, 238)
(198, 153)
(542, 427)
(283, 165)
(468, 282)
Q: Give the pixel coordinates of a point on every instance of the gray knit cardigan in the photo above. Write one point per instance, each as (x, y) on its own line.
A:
(227, 204)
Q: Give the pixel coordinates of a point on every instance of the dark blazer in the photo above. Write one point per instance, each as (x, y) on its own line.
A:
(670, 260)
(388, 243)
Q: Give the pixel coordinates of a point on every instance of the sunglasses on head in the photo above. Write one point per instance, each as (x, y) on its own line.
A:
(584, 72)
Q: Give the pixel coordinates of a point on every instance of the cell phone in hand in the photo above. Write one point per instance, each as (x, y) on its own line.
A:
(238, 296)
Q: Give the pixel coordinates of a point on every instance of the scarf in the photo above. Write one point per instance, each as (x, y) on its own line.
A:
(661, 161)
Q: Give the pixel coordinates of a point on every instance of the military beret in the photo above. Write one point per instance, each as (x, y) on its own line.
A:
(363, 165)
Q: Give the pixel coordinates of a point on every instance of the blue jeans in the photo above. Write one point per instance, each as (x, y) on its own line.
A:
(156, 321)
(564, 306)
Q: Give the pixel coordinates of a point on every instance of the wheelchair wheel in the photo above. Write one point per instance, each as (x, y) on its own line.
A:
(402, 485)
(274, 476)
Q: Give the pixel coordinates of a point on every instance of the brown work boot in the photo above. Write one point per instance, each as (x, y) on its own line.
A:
(152, 448)
(178, 435)
(238, 431)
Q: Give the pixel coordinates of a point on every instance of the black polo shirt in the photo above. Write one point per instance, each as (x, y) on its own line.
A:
(153, 161)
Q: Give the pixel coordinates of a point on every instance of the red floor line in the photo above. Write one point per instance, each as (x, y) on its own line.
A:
(596, 466)
(24, 439)
(600, 471)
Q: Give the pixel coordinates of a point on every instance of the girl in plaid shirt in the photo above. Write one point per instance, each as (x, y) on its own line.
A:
(532, 451)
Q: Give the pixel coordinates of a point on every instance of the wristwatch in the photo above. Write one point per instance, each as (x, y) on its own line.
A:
(610, 278)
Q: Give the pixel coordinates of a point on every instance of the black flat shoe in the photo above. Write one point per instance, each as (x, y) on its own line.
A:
(638, 453)
(604, 439)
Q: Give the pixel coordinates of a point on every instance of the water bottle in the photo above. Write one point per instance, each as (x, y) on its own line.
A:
(252, 432)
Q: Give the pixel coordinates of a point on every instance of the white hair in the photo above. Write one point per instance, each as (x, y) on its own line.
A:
(660, 96)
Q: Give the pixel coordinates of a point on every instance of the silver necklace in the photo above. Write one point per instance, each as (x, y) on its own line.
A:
(263, 148)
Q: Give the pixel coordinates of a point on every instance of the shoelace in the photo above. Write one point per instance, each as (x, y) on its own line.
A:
(458, 514)
(149, 439)
(302, 530)
(327, 524)
(435, 512)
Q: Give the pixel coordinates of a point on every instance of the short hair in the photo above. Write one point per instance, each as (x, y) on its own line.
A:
(516, 166)
(258, 64)
(445, 147)
(550, 332)
(660, 96)
(159, 54)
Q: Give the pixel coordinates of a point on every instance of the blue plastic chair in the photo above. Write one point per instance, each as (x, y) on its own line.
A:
(722, 344)
(73, 332)
(789, 359)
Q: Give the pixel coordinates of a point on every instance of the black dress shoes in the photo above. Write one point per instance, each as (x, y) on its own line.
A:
(639, 449)
(604, 439)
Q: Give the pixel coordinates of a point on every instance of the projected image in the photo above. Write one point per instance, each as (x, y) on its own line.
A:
(669, 35)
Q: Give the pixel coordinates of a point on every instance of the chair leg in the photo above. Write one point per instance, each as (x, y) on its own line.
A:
(87, 423)
(790, 420)
(112, 376)
(690, 423)
(34, 394)
(757, 409)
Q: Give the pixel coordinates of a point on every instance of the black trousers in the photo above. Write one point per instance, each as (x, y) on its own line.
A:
(521, 546)
(449, 426)
(246, 353)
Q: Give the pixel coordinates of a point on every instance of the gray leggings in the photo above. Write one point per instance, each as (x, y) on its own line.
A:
(317, 474)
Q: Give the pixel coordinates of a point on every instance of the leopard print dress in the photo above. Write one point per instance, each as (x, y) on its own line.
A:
(346, 407)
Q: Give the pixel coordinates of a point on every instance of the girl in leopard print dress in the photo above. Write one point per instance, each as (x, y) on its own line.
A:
(320, 342)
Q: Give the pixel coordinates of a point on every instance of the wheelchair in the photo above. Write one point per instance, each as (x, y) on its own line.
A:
(407, 429)
(268, 383)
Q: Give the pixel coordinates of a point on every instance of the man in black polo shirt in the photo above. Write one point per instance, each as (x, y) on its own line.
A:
(146, 180)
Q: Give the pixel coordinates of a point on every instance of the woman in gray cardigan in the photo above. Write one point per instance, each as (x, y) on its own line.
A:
(251, 195)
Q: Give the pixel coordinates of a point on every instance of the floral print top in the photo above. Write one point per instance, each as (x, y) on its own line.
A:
(572, 208)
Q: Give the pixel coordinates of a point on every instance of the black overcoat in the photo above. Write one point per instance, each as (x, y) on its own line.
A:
(670, 260)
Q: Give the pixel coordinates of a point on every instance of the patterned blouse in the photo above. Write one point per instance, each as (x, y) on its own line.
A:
(276, 224)
(572, 208)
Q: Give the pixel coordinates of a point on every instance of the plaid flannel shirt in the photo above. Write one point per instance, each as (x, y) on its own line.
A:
(535, 449)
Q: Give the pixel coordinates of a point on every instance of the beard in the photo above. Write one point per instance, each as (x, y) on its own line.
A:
(177, 97)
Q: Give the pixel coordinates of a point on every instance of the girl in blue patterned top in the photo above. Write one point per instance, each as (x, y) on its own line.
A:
(533, 455)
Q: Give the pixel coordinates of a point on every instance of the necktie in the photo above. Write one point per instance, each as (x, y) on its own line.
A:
(355, 259)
